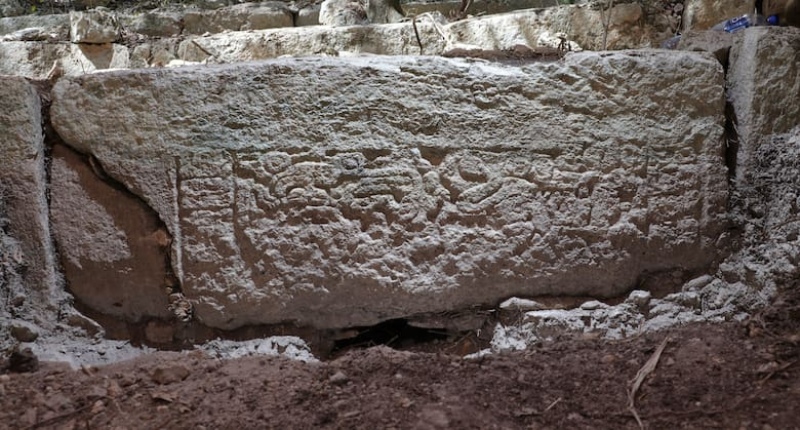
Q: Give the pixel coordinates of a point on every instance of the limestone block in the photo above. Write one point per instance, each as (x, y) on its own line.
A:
(35, 34)
(342, 12)
(718, 43)
(344, 191)
(389, 39)
(49, 23)
(384, 11)
(94, 26)
(247, 16)
(477, 7)
(583, 24)
(308, 15)
(213, 4)
(580, 24)
(704, 14)
(23, 185)
(155, 24)
(35, 59)
(123, 272)
(764, 89)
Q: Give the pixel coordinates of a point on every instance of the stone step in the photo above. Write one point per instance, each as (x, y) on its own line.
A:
(245, 16)
(580, 26)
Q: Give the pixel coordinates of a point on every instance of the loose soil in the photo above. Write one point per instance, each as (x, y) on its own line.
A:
(734, 375)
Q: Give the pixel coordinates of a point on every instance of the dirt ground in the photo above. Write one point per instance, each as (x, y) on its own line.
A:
(735, 375)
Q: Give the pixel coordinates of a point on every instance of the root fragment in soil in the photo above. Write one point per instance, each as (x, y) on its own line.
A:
(641, 375)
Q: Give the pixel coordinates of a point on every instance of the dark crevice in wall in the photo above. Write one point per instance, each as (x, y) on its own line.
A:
(731, 137)
(730, 133)
(396, 333)
(51, 138)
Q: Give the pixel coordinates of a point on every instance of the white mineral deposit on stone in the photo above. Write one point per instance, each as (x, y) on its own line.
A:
(557, 41)
(593, 305)
(518, 304)
(77, 351)
(639, 298)
(286, 346)
(512, 338)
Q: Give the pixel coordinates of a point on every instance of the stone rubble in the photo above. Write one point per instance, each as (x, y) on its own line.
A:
(287, 346)
(745, 282)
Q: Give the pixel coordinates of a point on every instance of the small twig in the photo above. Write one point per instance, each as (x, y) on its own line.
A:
(552, 404)
(457, 342)
(462, 12)
(58, 418)
(394, 338)
(435, 26)
(416, 32)
(641, 375)
(774, 372)
(205, 51)
(605, 19)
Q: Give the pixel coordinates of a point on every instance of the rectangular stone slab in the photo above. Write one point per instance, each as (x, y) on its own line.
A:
(23, 186)
(344, 191)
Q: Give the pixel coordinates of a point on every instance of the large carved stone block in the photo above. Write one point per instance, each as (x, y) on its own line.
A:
(339, 192)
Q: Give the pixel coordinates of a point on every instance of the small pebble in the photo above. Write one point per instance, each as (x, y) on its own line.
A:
(338, 378)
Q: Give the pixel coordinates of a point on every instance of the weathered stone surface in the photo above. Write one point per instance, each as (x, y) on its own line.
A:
(531, 27)
(34, 34)
(157, 53)
(248, 16)
(124, 270)
(298, 187)
(50, 23)
(764, 89)
(384, 11)
(778, 178)
(628, 27)
(35, 59)
(477, 7)
(306, 16)
(342, 12)
(718, 43)
(23, 331)
(22, 190)
(156, 24)
(704, 14)
(11, 8)
(388, 39)
(95, 26)
(580, 24)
